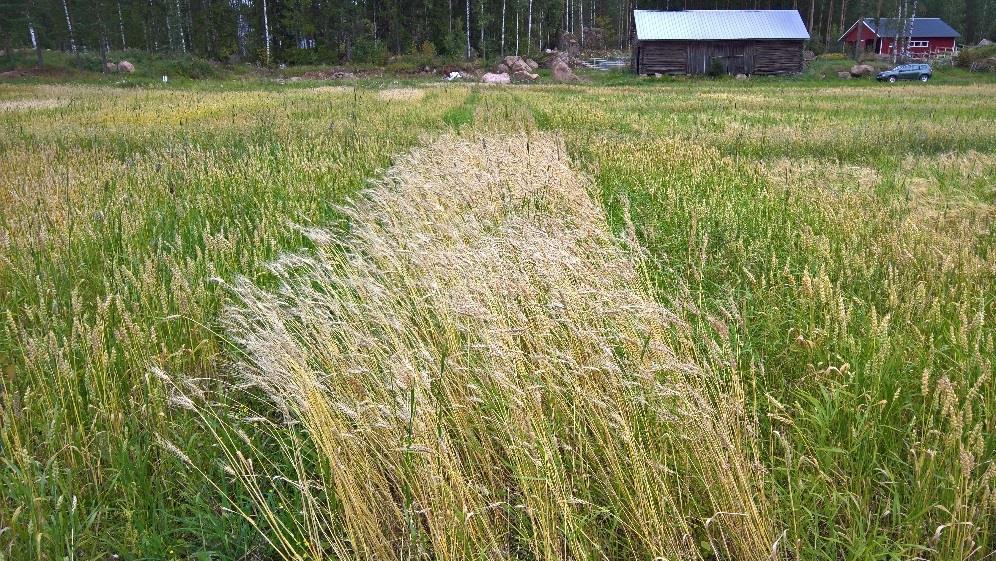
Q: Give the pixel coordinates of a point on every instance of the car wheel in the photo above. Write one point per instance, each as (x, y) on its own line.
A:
(892, 79)
(924, 78)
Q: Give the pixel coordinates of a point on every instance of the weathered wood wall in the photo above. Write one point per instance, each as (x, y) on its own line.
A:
(736, 57)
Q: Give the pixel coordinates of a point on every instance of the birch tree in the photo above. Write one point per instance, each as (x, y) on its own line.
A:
(502, 27)
(69, 26)
(179, 24)
(34, 44)
(517, 27)
(33, 34)
(266, 32)
(124, 44)
(529, 29)
(581, 16)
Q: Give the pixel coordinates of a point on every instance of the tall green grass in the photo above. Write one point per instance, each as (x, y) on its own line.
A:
(837, 241)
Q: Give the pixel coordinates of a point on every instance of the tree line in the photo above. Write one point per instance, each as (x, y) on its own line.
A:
(325, 31)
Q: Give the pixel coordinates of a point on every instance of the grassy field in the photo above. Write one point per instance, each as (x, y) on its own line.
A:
(678, 319)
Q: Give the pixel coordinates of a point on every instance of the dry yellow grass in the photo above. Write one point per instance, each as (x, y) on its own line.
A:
(479, 368)
(332, 89)
(401, 94)
(29, 104)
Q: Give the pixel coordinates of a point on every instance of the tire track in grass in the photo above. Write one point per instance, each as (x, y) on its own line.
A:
(463, 114)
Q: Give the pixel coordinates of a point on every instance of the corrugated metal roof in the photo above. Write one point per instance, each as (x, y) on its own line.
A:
(692, 25)
(922, 27)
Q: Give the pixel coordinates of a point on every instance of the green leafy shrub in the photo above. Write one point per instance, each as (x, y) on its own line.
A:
(189, 67)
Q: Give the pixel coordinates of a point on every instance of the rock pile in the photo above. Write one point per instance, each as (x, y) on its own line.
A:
(518, 68)
(859, 70)
(123, 66)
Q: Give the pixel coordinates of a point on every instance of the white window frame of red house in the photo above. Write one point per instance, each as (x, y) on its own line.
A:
(919, 44)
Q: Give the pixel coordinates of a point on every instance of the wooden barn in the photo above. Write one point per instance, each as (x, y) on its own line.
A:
(730, 41)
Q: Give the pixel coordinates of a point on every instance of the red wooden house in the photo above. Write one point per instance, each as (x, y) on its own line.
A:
(929, 36)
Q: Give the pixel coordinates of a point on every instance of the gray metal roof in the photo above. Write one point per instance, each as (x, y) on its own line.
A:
(922, 27)
(693, 25)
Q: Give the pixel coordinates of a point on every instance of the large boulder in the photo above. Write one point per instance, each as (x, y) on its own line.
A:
(502, 68)
(844, 74)
(985, 43)
(741, 76)
(808, 56)
(516, 64)
(859, 70)
(533, 65)
(524, 76)
(558, 63)
(110, 67)
(496, 78)
(125, 66)
(563, 73)
(557, 57)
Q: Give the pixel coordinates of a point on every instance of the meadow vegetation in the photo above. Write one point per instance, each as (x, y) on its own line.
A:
(663, 319)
